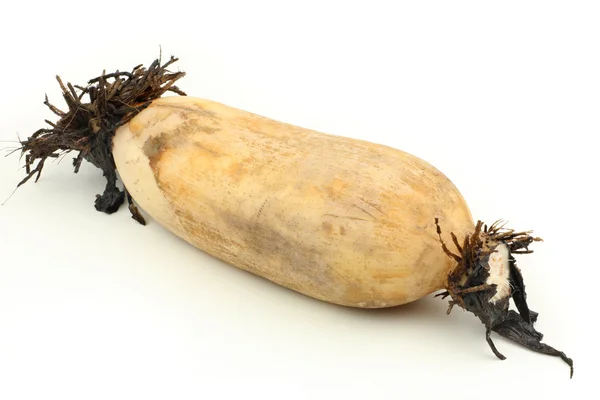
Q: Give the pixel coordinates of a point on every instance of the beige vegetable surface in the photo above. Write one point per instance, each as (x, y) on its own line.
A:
(338, 219)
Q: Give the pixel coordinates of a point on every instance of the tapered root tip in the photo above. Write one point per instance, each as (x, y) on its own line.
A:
(523, 333)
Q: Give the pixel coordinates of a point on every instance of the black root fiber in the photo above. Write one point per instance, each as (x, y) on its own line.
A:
(468, 288)
(95, 111)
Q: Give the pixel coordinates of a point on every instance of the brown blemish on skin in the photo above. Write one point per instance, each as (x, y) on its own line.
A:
(329, 228)
(156, 146)
(193, 125)
(153, 149)
(337, 188)
(202, 120)
(199, 109)
(209, 129)
(238, 170)
(136, 126)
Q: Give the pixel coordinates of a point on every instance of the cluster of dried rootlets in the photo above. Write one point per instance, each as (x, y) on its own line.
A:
(93, 115)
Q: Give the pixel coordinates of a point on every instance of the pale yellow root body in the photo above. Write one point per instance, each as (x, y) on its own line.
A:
(338, 219)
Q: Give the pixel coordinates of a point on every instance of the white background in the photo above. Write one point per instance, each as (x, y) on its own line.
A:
(503, 97)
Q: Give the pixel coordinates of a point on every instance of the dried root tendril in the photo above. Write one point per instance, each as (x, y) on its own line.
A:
(468, 288)
(94, 112)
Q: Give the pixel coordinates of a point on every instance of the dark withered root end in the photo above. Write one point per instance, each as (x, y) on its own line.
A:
(486, 277)
(94, 113)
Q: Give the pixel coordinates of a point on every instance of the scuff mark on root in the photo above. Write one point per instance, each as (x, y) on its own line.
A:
(88, 127)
